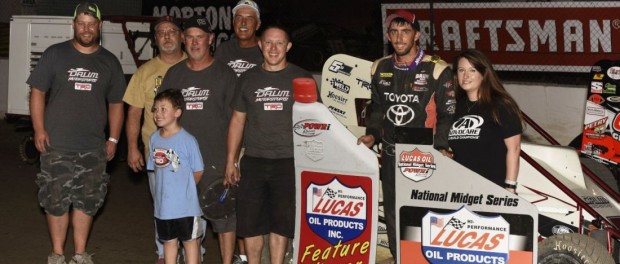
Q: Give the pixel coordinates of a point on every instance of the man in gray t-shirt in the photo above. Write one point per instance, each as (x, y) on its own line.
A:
(263, 115)
(82, 80)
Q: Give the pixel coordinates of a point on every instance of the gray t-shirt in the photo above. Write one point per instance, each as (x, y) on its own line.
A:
(237, 58)
(267, 99)
(78, 86)
(208, 94)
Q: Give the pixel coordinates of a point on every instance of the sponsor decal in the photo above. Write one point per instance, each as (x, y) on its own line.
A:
(340, 85)
(340, 67)
(448, 85)
(273, 106)
(338, 98)
(416, 165)
(83, 86)
(610, 88)
(314, 150)
(615, 125)
(596, 201)
(451, 109)
(596, 135)
(597, 99)
(401, 98)
(596, 87)
(363, 83)
(419, 88)
(240, 66)
(613, 99)
(560, 229)
(599, 111)
(82, 75)
(463, 198)
(400, 115)
(384, 82)
(421, 79)
(272, 94)
(596, 123)
(596, 69)
(337, 111)
(465, 237)
(336, 212)
(386, 74)
(194, 94)
(466, 127)
(310, 127)
(163, 158)
(614, 72)
(193, 106)
(598, 76)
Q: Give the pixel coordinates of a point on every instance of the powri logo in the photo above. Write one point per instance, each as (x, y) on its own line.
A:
(335, 212)
(465, 237)
(416, 165)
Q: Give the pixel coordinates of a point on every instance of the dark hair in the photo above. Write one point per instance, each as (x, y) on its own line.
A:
(276, 26)
(174, 96)
(491, 88)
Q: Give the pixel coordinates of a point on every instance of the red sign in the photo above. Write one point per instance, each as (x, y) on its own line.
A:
(554, 36)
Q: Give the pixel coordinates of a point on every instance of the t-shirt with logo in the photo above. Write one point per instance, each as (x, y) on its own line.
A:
(208, 94)
(174, 160)
(79, 87)
(237, 58)
(267, 99)
(478, 142)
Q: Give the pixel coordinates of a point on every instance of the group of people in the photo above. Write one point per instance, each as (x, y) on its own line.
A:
(238, 96)
(474, 119)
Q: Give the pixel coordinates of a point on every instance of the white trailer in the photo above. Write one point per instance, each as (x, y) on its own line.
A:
(31, 35)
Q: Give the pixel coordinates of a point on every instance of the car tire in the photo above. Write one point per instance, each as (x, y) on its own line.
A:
(572, 249)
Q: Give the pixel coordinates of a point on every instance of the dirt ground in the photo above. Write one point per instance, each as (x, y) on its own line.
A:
(122, 232)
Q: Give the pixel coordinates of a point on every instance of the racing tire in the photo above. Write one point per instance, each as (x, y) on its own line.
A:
(28, 151)
(572, 249)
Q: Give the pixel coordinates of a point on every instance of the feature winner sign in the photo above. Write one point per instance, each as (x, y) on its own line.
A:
(546, 36)
(446, 213)
(336, 221)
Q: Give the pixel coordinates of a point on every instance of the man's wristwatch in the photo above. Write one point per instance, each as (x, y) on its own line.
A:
(510, 184)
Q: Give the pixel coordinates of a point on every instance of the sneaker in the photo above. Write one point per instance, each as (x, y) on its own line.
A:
(238, 260)
(54, 258)
(83, 258)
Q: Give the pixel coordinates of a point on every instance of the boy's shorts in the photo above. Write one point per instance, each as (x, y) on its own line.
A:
(72, 178)
(183, 229)
(266, 197)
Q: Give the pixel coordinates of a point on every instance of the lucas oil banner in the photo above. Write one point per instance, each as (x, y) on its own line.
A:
(336, 218)
(446, 213)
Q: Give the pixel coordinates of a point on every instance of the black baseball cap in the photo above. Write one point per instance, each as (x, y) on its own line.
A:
(199, 22)
(87, 8)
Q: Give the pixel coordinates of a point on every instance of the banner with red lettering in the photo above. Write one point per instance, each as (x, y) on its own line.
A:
(545, 36)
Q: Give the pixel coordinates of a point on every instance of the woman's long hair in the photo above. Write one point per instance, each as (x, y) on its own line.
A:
(490, 88)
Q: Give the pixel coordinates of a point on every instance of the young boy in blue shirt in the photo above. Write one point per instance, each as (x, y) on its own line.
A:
(177, 164)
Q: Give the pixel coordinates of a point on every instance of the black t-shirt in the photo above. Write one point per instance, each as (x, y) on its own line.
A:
(267, 99)
(237, 58)
(208, 94)
(478, 142)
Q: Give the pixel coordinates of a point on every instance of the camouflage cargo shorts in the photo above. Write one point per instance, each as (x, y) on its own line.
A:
(72, 178)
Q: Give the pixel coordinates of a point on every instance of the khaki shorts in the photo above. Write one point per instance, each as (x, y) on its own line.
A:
(72, 178)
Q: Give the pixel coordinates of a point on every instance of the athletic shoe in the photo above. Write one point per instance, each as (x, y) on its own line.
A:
(238, 260)
(54, 258)
(83, 258)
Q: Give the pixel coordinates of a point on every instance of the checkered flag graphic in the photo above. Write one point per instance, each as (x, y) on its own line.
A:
(330, 193)
(458, 224)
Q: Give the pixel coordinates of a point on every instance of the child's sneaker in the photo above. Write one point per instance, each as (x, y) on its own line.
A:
(54, 258)
(83, 258)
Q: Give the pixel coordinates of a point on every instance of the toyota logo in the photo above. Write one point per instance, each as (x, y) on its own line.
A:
(400, 115)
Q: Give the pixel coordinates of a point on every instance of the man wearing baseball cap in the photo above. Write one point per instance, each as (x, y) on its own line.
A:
(208, 87)
(407, 73)
(80, 77)
(141, 91)
(241, 53)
